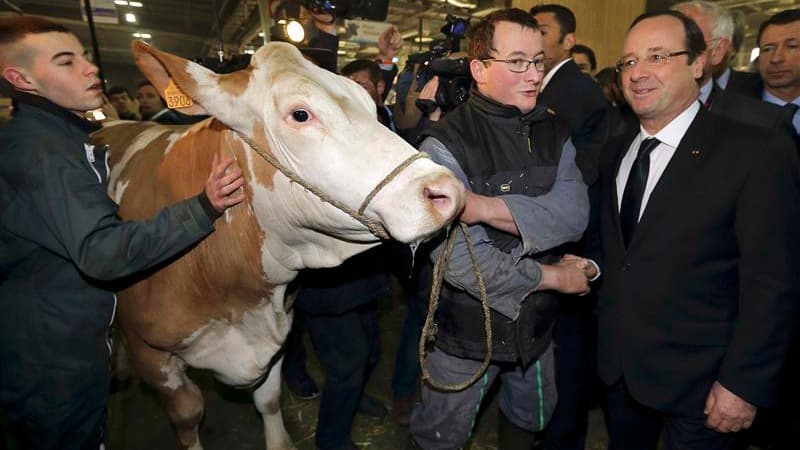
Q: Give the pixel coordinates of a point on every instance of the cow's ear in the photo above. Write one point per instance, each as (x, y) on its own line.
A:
(161, 68)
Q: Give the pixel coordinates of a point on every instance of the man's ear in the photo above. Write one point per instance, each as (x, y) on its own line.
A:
(478, 70)
(568, 42)
(18, 78)
(381, 87)
(720, 52)
(697, 66)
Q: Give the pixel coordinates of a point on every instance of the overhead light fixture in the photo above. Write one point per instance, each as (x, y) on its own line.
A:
(130, 17)
(142, 35)
(121, 2)
(461, 4)
(423, 39)
(754, 54)
(295, 31)
(136, 4)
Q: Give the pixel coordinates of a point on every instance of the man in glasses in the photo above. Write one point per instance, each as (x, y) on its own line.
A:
(716, 24)
(700, 274)
(527, 197)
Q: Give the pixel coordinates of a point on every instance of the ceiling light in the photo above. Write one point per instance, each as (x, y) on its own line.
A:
(136, 4)
(121, 2)
(130, 17)
(423, 39)
(461, 4)
(142, 35)
(754, 54)
(295, 31)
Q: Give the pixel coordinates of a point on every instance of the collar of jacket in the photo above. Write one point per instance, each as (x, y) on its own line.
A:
(40, 102)
(493, 108)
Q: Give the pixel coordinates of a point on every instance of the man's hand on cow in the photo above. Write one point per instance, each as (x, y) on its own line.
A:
(224, 183)
(581, 263)
(564, 277)
(727, 412)
(389, 43)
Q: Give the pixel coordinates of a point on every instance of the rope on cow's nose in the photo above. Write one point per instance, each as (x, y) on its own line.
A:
(373, 226)
(429, 329)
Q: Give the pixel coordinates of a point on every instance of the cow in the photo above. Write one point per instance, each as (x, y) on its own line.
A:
(324, 180)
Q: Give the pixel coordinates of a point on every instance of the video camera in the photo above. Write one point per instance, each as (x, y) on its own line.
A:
(349, 9)
(454, 75)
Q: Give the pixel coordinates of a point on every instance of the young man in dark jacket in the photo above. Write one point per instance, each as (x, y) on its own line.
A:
(62, 244)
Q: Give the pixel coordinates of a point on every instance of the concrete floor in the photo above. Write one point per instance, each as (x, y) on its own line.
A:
(231, 422)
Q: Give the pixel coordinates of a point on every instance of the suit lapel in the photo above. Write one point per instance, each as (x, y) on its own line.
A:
(664, 200)
(624, 144)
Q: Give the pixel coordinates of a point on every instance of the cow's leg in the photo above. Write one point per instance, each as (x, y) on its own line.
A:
(180, 396)
(268, 402)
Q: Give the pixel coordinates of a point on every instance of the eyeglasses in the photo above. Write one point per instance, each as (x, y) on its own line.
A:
(520, 65)
(653, 59)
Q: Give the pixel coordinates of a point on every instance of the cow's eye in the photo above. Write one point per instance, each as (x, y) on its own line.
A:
(300, 115)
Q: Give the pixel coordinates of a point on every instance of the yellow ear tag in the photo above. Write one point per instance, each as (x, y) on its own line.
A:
(175, 97)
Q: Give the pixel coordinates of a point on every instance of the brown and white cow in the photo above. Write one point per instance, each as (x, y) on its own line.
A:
(221, 305)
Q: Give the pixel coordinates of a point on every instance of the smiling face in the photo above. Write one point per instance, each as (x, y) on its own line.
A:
(54, 65)
(659, 92)
(496, 81)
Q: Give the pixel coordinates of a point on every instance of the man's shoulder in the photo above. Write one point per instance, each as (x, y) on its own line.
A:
(746, 109)
(567, 83)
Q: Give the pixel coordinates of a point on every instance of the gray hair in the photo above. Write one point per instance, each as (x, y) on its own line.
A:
(720, 18)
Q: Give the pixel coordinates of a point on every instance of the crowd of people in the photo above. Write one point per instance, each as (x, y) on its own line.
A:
(636, 227)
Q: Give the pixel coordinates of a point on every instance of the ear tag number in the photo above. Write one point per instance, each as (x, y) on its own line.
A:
(175, 97)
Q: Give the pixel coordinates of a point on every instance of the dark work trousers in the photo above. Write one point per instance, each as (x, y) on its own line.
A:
(348, 347)
(574, 337)
(294, 357)
(67, 411)
(632, 425)
(406, 365)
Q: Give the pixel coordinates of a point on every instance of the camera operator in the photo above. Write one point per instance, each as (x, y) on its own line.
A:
(525, 196)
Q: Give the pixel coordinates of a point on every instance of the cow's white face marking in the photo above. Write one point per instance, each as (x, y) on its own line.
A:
(323, 127)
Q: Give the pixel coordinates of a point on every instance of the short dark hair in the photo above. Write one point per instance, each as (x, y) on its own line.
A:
(694, 41)
(15, 28)
(580, 48)
(358, 65)
(481, 35)
(563, 15)
(781, 18)
(606, 75)
(143, 83)
(115, 90)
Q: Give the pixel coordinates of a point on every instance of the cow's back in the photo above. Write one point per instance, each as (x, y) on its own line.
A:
(151, 167)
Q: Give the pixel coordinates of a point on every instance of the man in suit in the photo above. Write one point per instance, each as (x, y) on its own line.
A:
(578, 99)
(716, 24)
(700, 275)
(729, 79)
(568, 92)
(779, 60)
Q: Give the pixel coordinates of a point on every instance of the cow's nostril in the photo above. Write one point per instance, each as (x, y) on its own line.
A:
(439, 198)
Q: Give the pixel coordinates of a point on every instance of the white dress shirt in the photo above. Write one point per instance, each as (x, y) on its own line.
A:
(670, 137)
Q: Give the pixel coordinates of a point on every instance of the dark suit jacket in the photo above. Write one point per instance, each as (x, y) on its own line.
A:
(709, 284)
(748, 84)
(741, 108)
(578, 99)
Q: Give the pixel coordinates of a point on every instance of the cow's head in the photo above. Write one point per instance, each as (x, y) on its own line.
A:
(323, 127)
